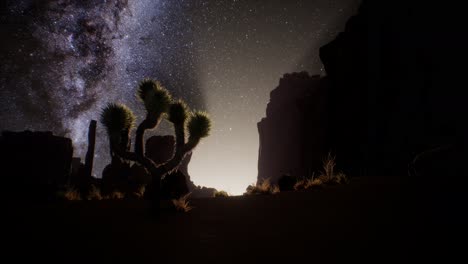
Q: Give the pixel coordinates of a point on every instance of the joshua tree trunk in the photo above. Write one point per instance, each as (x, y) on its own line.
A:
(155, 195)
(139, 137)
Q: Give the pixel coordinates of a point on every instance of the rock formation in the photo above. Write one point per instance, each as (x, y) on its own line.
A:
(90, 153)
(392, 94)
(292, 135)
(395, 75)
(34, 163)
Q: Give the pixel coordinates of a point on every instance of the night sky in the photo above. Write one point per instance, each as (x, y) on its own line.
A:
(62, 61)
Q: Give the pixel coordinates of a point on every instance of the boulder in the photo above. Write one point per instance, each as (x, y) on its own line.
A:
(286, 183)
(34, 163)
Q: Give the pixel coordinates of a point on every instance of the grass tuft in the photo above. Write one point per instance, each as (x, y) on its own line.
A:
(115, 195)
(182, 204)
(94, 194)
(328, 176)
(265, 187)
(72, 194)
(140, 192)
(306, 184)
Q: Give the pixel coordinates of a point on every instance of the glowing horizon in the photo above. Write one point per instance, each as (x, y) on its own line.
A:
(220, 163)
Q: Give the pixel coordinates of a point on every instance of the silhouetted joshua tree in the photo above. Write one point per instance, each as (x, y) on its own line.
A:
(119, 119)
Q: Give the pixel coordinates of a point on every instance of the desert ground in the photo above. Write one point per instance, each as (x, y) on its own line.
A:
(375, 219)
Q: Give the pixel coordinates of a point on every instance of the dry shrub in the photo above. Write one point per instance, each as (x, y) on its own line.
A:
(265, 187)
(328, 169)
(341, 178)
(71, 194)
(116, 195)
(314, 183)
(94, 193)
(220, 194)
(300, 185)
(140, 192)
(306, 184)
(182, 204)
(329, 174)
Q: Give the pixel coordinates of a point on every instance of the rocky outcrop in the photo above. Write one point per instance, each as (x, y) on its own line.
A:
(89, 160)
(395, 75)
(292, 135)
(34, 163)
(202, 192)
(392, 93)
(81, 174)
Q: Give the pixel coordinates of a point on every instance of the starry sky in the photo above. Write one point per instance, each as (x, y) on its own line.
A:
(62, 61)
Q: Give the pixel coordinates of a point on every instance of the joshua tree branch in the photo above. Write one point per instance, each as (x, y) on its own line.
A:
(172, 164)
(147, 163)
(148, 123)
(180, 137)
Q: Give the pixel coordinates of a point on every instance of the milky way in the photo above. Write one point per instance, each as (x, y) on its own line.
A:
(63, 60)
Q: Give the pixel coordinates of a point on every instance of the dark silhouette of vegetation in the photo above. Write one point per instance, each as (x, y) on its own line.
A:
(263, 187)
(174, 186)
(119, 120)
(328, 175)
(221, 194)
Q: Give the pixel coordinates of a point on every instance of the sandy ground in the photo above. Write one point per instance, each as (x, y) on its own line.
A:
(369, 220)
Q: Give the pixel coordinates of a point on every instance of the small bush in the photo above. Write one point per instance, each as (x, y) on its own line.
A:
(265, 187)
(115, 195)
(182, 204)
(71, 194)
(329, 174)
(328, 169)
(220, 194)
(314, 183)
(306, 184)
(300, 185)
(341, 178)
(94, 193)
(140, 192)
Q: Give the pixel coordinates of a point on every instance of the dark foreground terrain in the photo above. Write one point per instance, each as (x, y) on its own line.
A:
(378, 219)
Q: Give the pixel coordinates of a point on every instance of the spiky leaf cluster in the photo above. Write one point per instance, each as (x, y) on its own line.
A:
(178, 112)
(156, 98)
(199, 125)
(117, 118)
